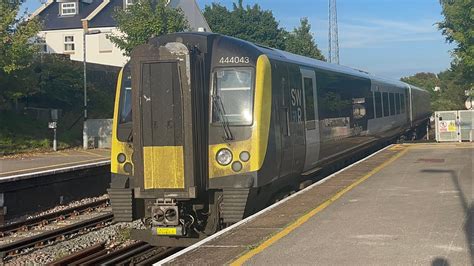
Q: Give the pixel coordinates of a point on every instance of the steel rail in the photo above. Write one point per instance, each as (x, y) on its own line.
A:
(74, 258)
(36, 240)
(47, 218)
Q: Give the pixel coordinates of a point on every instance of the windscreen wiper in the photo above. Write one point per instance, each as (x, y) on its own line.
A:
(130, 136)
(219, 107)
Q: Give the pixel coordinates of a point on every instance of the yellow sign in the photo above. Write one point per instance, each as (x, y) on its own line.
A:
(166, 231)
(447, 126)
(452, 126)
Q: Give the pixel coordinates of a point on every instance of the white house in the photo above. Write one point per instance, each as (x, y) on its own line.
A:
(66, 21)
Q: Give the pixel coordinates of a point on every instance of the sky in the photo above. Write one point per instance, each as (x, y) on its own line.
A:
(390, 38)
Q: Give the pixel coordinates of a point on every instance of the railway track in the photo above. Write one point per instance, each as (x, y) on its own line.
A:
(50, 228)
(45, 219)
(134, 254)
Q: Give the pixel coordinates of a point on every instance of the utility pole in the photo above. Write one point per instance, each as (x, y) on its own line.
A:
(85, 138)
(86, 31)
(333, 34)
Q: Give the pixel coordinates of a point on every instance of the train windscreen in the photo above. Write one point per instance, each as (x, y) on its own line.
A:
(125, 113)
(233, 89)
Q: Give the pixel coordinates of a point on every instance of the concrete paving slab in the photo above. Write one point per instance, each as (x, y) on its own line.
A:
(412, 212)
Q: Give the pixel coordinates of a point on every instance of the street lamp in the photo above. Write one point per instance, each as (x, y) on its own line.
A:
(84, 130)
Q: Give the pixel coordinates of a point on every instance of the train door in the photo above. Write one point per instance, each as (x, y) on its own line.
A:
(311, 118)
(162, 142)
(297, 119)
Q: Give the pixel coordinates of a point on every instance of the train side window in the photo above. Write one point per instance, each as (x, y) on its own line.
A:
(392, 103)
(378, 104)
(397, 100)
(309, 99)
(386, 111)
(402, 103)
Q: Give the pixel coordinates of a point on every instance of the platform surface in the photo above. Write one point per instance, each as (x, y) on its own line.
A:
(44, 162)
(408, 204)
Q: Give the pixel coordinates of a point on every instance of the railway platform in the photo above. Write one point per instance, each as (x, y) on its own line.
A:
(33, 183)
(12, 168)
(406, 204)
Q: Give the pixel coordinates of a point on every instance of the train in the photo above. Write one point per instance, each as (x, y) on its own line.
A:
(208, 129)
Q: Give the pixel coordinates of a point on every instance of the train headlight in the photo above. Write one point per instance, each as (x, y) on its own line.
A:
(159, 215)
(121, 158)
(237, 166)
(224, 156)
(244, 156)
(171, 215)
(127, 167)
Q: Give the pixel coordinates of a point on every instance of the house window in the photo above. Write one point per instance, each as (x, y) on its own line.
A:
(69, 43)
(68, 9)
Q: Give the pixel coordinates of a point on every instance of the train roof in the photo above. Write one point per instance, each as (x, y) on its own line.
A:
(299, 59)
(311, 62)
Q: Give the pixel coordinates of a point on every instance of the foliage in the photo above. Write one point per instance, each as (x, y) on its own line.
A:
(15, 34)
(16, 49)
(58, 83)
(301, 41)
(146, 19)
(259, 26)
(249, 23)
(425, 80)
(451, 94)
(458, 27)
(21, 133)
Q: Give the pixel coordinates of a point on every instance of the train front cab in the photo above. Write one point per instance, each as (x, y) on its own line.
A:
(172, 140)
(120, 192)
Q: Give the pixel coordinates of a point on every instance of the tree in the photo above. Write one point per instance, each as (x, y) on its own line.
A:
(458, 27)
(301, 41)
(425, 80)
(146, 19)
(249, 23)
(451, 94)
(16, 49)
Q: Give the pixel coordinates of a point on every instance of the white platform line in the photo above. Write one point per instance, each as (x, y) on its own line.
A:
(252, 217)
(49, 171)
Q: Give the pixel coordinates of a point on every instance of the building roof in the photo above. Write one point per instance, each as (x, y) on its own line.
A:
(99, 13)
(51, 19)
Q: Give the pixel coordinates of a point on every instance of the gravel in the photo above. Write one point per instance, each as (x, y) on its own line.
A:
(59, 208)
(114, 235)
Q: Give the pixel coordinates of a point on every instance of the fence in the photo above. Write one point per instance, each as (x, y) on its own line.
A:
(454, 125)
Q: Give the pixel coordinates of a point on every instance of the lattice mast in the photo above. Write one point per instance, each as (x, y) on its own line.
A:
(333, 34)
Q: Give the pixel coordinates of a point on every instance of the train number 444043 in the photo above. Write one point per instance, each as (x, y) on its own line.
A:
(234, 60)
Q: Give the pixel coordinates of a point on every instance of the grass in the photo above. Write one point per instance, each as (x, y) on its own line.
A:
(21, 133)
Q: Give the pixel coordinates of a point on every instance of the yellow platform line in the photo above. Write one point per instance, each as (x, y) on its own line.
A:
(92, 153)
(241, 260)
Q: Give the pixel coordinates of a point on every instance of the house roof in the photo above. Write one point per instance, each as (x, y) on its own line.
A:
(99, 13)
(51, 19)
(192, 12)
